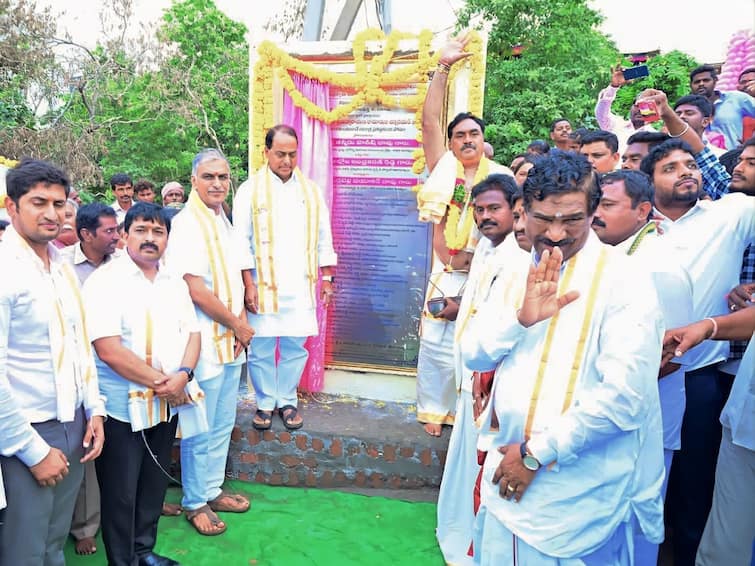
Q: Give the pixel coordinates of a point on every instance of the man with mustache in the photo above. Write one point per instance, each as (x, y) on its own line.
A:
(709, 239)
(560, 134)
(97, 229)
(50, 406)
(67, 236)
(204, 250)
(496, 251)
(623, 220)
(445, 201)
(574, 462)
(123, 189)
(730, 108)
(147, 346)
(601, 149)
(638, 146)
(284, 223)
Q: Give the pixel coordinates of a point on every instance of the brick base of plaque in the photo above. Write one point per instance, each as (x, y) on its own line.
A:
(345, 442)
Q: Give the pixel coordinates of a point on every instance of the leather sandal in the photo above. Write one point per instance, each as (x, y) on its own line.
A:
(215, 521)
(288, 414)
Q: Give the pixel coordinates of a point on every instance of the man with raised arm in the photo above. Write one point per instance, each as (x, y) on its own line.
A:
(445, 201)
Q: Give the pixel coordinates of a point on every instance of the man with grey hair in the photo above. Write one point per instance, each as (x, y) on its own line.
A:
(203, 249)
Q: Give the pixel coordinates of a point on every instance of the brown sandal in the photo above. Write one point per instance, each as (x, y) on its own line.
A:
(220, 503)
(215, 521)
(289, 414)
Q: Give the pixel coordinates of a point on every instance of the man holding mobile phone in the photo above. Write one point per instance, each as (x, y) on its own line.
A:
(613, 123)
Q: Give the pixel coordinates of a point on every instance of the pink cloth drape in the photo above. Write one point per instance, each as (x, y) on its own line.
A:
(314, 160)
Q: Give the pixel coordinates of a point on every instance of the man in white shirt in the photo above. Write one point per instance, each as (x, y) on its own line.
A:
(123, 189)
(97, 230)
(622, 220)
(147, 346)
(575, 463)
(204, 251)
(51, 414)
(709, 239)
(284, 221)
(497, 251)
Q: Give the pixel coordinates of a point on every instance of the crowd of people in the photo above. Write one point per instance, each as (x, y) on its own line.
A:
(576, 335)
(586, 367)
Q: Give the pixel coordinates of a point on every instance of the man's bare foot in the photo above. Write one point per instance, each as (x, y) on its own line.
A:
(433, 429)
(171, 510)
(86, 545)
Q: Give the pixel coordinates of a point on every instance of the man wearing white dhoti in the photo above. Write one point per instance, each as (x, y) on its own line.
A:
(285, 224)
(445, 201)
(493, 205)
(576, 457)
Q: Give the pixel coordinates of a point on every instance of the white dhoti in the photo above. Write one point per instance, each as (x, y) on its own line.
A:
(436, 384)
(494, 544)
(456, 496)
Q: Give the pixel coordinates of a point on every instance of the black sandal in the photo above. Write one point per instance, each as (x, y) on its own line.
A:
(266, 417)
(288, 413)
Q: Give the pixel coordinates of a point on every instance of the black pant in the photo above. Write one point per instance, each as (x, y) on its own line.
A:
(132, 488)
(693, 471)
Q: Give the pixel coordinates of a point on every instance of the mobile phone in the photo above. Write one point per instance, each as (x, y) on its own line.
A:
(636, 72)
(434, 306)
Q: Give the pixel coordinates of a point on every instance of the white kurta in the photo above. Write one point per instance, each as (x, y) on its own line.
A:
(187, 254)
(296, 314)
(606, 448)
(710, 240)
(455, 499)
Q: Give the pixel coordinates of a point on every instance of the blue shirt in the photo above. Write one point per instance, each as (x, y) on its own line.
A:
(730, 109)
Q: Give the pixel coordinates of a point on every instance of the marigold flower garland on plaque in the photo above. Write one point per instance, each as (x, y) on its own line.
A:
(371, 82)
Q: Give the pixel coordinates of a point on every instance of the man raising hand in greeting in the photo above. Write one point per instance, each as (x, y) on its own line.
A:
(576, 348)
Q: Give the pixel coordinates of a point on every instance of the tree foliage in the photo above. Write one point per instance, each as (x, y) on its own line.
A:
(142, 101)
(563, 64)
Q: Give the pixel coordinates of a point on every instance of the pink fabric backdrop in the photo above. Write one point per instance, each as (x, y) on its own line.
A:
(315, 162)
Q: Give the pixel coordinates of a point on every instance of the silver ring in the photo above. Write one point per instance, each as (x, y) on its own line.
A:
(510, 488)
(733, 307)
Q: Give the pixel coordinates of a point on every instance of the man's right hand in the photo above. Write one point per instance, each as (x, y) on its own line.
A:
(52, 469)
(617, 76)
(453, 51)
(660, 99)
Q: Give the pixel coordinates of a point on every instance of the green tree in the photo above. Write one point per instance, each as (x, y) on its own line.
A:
(546, 59)
(209, 66)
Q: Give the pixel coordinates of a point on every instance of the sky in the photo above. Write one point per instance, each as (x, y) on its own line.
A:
(665, 24)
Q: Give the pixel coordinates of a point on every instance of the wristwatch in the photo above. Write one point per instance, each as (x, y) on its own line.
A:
(188, 371)
(529, 461)
(329, 278)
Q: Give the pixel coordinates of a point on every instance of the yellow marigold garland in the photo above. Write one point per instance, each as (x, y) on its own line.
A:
(370, 82)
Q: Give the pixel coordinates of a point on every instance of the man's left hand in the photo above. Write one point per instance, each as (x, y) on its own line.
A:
(94, 439)
(326, 293)
(512, 477)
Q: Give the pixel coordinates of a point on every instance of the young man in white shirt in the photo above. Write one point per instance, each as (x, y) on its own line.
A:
(147, 346)
(51, 414)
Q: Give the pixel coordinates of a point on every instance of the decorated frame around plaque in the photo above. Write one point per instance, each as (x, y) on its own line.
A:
(357, 108)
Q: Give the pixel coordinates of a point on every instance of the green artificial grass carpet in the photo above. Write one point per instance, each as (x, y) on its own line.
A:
(289, 526)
